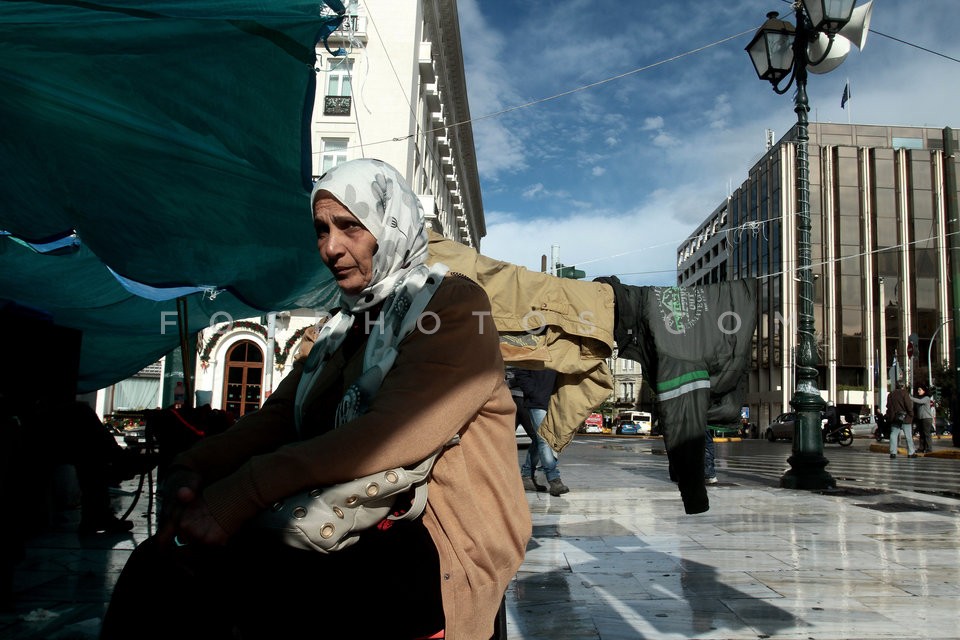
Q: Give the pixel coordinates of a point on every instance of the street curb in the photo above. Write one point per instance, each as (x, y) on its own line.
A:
(949, 454)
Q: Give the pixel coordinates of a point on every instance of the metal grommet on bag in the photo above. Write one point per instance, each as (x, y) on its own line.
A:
(299, 512)
(315, 493)
(373, 489)
(352, 500)
(327, 530)
(338, 511)
(392, 476)
(276, 506)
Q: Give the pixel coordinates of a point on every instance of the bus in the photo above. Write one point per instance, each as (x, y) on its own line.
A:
(642, 418)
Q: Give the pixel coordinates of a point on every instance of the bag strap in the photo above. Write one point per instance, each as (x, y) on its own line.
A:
(419, 502)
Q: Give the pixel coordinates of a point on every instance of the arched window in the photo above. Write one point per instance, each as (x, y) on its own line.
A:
(242, 384)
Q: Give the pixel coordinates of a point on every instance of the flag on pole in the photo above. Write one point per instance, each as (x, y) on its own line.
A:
(846, 95)
(894, 373)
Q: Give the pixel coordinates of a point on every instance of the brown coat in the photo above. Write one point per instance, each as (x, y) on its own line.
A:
(899, 400)
(546, 322)
(443, 382)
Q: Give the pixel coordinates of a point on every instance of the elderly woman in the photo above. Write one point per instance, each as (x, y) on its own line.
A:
(355, 406)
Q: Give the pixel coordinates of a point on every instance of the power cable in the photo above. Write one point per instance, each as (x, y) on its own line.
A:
(573, 91)
(915, 46)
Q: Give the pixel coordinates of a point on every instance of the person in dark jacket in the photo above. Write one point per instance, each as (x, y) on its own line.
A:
(900, 417)
(537, 387)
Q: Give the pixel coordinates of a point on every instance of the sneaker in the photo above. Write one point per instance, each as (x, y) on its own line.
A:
(557, 487)
(531, 485)
(912, 455)
(711, 480)
(893, 455)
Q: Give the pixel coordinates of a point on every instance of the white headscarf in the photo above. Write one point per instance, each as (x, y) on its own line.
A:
(382, 201)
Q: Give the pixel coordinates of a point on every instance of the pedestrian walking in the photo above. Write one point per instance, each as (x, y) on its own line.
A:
(900, 418)
(537, 386)
(709, 459)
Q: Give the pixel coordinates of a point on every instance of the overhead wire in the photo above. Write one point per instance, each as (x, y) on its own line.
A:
(754, 226)
(750, 225)
(568, 92)
(607, 80)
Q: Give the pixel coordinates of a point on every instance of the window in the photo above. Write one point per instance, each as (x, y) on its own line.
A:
(333, 151)
(242, 386)
(339, 77)
(338, 99)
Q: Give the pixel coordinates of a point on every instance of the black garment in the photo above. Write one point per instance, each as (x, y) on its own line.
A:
(694, 345)
(387, 585)
(832, 416)
(537, 386)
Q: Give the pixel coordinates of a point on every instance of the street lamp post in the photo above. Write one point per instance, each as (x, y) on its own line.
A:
(779, 50)
(930, 353)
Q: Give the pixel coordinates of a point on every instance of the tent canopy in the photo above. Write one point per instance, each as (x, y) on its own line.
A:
(153, 150)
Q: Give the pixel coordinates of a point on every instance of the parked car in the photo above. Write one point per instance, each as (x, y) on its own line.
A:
(781, 428)
(593, 424)
(632, 428)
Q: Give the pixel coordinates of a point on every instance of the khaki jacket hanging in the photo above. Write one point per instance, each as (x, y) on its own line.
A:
(544, 321)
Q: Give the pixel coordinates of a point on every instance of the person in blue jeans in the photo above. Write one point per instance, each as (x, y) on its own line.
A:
(537, 387)
(900, 418)
(709, 459)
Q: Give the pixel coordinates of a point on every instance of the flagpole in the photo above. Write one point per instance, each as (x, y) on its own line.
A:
(850, 110)
(882, 400)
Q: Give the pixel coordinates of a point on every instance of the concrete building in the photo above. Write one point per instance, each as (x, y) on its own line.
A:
(390, 85)
(879, 260)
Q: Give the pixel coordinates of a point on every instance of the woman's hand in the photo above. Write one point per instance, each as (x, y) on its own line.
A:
(179, 490)
(198, 526)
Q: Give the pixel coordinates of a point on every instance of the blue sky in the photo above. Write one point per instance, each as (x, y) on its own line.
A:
(619, 174)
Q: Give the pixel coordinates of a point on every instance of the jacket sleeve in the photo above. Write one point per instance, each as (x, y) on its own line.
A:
(263, 430)
(445, 371)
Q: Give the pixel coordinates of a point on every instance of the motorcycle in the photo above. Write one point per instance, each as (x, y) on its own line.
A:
(842, 435)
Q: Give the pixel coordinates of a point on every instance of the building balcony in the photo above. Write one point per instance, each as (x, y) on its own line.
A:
(427, 73)
(337, 105)
(431, 94)
(355, 26)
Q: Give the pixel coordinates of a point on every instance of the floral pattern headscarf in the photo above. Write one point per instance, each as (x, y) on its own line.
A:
(382, 201)
(380, 198)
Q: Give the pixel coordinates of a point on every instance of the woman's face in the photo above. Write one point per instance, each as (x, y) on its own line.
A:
(345, 245)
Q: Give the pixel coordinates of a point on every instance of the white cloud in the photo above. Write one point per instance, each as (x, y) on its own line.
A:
(653, 124)
(597, 171)
(538, 191)
(664, 139)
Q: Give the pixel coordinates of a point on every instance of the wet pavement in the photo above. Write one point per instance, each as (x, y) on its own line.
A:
(616, 558)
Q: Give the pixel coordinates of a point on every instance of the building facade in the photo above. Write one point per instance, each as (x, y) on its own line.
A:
(389, 85)
(627, 381)
(879, 260)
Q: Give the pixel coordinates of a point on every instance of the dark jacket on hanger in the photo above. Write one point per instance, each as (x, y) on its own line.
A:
(694, 347)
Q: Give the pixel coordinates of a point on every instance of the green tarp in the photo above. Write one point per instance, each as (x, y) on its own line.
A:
(173, 139)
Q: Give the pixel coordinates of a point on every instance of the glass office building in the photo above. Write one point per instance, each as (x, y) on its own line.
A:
(879, 251)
